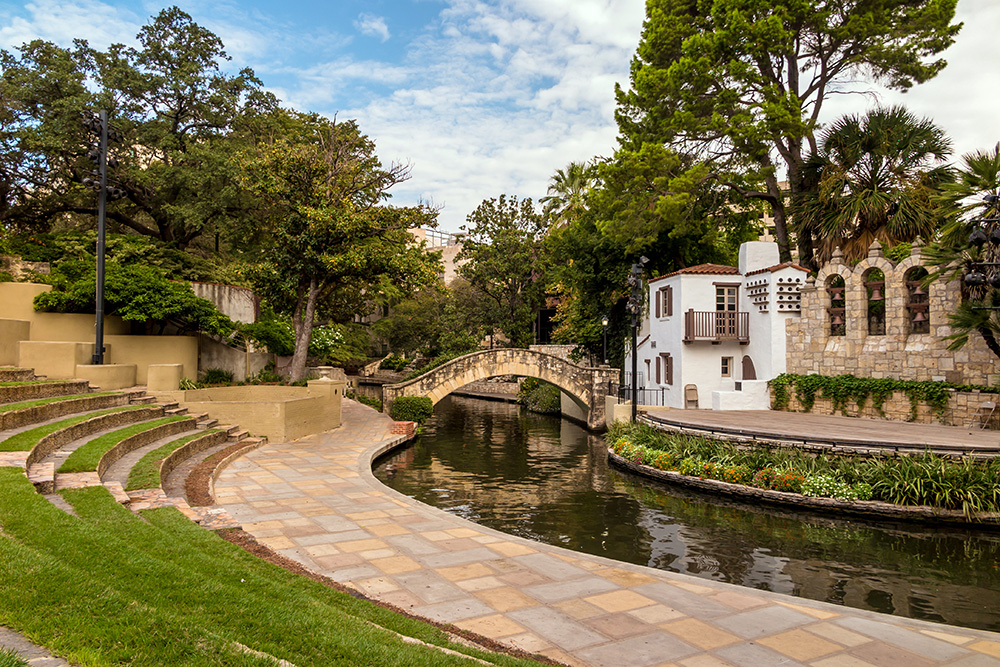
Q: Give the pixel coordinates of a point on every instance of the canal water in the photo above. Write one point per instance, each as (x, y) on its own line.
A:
(547, 479)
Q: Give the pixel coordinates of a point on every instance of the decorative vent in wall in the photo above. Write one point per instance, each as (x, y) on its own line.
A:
(757, 293)
(788, 298)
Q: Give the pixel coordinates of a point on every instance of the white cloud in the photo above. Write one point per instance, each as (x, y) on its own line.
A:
(59, 22)
(373, 26)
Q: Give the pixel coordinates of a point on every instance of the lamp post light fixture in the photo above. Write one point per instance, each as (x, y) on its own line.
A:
(634, 307)
(986, 238)
(604, 323)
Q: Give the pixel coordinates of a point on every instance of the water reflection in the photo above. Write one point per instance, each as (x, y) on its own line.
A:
(547, 479)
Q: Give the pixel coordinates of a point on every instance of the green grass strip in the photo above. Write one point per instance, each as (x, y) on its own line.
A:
(21, 383)
(86, 457)
(45, 401)
(107, 587)
(9, 658)
(25, 440)
(146, 473)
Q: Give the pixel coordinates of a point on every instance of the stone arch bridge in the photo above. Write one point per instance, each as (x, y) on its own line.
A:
(588, 387)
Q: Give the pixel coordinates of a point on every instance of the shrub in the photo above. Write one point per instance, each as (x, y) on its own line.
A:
(217, 376)
(412, 408)
(737, 474)
(790, 481)
(543, 398)
(691, 466)
(826, 486)
(266, 375)
(394, 363)
(763, 478)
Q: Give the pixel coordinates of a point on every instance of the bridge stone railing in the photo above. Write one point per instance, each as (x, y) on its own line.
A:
(587, 386)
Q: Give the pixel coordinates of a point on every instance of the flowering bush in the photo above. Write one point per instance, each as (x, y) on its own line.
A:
(788, 480)
(763, 478)
(709, 470)
(738, 474)
(691, 466)
(826, 486)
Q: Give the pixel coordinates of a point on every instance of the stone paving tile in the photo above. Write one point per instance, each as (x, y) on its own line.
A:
(316, 501)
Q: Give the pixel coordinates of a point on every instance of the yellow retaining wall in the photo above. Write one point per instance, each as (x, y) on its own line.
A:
(57, 360)
(164, 377)
(145, 350)
(16, 302)
(12, 332)
(108, 376)
(279, 413)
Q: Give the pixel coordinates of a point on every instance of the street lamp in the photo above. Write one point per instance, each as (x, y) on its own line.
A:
(987, 230)
(634, 307)
(604, 323)
(97, 124)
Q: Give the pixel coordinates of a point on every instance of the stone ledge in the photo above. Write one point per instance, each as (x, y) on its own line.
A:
(860, 508)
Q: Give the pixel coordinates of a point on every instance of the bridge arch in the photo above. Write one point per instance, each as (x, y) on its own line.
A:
(587, 386)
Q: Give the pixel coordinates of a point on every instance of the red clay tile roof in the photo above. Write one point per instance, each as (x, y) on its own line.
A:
(778, 267)
(703, 269)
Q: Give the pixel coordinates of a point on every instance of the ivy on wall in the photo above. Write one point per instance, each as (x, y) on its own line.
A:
(843, 388)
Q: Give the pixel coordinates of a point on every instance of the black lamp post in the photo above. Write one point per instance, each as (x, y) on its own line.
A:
(98, 182)
(634, 307)
(987, 230)
(604, 323)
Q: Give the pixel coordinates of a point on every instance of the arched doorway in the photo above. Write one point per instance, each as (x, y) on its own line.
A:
(749, 372)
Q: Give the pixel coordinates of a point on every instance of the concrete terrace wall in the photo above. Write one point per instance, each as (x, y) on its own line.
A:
(898, 354)
(238, 303)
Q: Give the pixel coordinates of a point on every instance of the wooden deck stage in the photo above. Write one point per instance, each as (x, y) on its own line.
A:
(832, 430)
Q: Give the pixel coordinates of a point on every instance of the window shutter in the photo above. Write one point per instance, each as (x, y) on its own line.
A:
(670, 369)
(658, 302)
(657, 370)
(670, 301)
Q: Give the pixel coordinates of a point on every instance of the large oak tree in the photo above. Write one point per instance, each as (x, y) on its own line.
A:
(741, 84)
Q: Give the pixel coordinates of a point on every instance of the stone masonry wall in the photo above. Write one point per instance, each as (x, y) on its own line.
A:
(898, 354)
(961, 411)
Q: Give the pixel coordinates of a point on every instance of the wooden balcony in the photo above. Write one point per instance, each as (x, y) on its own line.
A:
(716, 327)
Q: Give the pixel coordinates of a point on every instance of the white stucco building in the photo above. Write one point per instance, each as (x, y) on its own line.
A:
(714, 335)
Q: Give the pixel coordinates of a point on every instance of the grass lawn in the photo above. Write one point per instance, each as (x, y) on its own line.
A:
(25, 440)
(86, 457)
(146, 473)
(107, 587)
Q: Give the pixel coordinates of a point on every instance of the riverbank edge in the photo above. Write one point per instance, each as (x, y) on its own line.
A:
(860, 508)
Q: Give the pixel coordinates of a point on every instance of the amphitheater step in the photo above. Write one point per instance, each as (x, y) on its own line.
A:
(12, 374)
(43, 476)
(239, 435)
(34, 390)
(207, 423)
(120, 470)
(17, 415)
(142, 400)
(117, 492)
(175, 411)
(61, 503)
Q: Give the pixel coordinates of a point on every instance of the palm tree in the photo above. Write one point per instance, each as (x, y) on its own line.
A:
(963, 202)
(873, 177)
(567, 193)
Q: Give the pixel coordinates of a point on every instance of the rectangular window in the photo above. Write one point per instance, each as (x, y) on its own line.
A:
(664, 302)
(725, 298)
(727, 367)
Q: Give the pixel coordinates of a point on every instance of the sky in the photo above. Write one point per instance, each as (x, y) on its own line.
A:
(481, 97)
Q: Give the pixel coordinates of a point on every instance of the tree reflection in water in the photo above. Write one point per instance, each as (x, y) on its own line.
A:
(548, 480)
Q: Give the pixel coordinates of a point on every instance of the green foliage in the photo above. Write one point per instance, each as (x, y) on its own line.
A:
(265, 375)
(439, 360)
(136, 293)
(10, 658)
(723, 79)
(365, 400)
(86, 457)
(394, 363)
(179, 114)
(188, 384)
(541, 397)
(873, 178)
(927, 479)
(502, 258)
(216, 376)
(145, 474)
(270, 332)
(841, 388)
(328, 240)
(412, 408)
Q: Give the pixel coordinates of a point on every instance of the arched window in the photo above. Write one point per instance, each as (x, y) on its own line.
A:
(838, 313)
(875, 288)
(917, 305)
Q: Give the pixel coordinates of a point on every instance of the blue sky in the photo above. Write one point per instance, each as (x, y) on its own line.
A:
(481, 97)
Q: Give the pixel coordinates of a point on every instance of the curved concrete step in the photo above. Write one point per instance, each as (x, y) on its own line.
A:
(34, 389)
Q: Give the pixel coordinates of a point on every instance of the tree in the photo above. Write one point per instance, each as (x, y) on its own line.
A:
(326, 228)
(741, 84)
(180, 118)
(503, 259)
(873, 178)
(964, 203)
(567, 192)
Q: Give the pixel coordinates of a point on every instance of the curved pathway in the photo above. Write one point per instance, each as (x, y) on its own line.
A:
(316, 501)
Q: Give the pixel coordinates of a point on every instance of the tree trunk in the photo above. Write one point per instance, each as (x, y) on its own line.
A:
(990, 340)
(780, 219)
(302, 320)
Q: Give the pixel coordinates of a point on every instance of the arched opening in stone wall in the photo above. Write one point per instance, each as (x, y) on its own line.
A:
(837, 310)
(874, 281)
(918, 314)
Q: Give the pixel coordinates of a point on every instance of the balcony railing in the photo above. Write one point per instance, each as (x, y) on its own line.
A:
(716, 327)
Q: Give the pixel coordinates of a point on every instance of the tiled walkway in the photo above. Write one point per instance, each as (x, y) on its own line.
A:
(316, 501)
